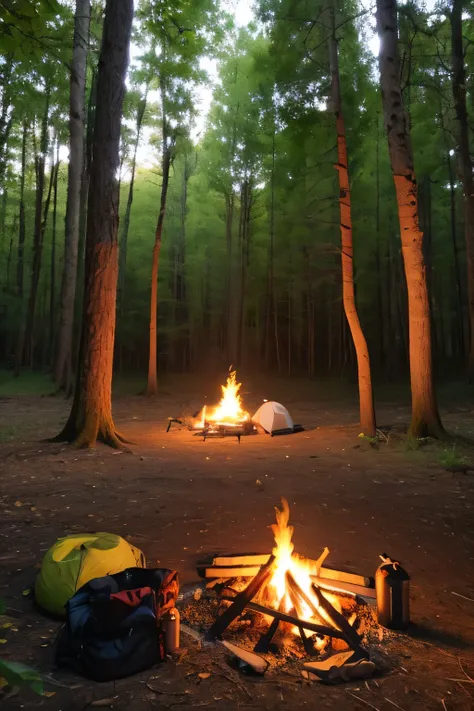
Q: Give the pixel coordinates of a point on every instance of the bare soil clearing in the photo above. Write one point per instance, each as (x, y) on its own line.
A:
(178, 498)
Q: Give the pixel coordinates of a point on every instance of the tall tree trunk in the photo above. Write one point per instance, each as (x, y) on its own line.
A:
(21, 221)
(91, 414)
(21, 255)
(52, 285)
(75, 171)
(425, 417)
(181, 343)
(71, 366)
(152, 384)
(459, 320)
(366, 400)
(269, 306)
(229, 307)
(40, 225)
(128, 210)
(6, 113)
(464, 159)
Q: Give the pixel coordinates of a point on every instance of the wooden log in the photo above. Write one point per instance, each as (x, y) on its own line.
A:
(333, 586)
(337, 619)
(224, 566)
(258, 664)
(241, 601)
(283, 617)
(263, 644)
(236, 572)
(250, 560)
(295, 593)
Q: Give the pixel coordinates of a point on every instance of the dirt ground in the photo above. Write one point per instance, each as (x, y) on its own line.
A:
(178, 498)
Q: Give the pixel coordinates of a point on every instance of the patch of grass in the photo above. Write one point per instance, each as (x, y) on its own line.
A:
(27, 383)
(451, 460)
(411, 444)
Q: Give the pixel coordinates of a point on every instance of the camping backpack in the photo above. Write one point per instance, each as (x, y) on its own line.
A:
(114, 624)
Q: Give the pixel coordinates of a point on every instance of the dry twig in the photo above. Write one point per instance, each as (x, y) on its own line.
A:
(462, 596)
(362, 701)
(464, 671)
(165, 691)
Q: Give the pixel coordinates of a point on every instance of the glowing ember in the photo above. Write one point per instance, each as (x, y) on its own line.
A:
(289, 566)
(229, 411)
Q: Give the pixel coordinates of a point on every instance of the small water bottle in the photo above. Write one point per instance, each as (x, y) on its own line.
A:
(392, 587)
(171, 629)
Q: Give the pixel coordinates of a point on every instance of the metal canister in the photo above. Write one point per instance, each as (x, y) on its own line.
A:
(171, 630)
(392, 587)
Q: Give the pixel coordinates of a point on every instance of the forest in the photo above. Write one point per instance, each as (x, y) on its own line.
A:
(274, 200)
(261, 229)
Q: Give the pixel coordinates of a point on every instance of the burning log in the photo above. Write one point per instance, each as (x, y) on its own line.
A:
(263, 644)
(297, 594)
(241, 601)
(294, 621)
(338, 620)
(232, 566)
(340, 586)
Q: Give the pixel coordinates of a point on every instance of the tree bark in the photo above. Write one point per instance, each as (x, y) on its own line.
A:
(425, 417)
(52, 285)
(40, 226)
(366, 399)
(128, 210)
(464, 160)
(152, 384)
(75, 171)
(91, 414)
(6, 113)
(269, 306)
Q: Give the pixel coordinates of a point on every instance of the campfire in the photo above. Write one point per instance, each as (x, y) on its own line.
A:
(228, 417)
(293, 595)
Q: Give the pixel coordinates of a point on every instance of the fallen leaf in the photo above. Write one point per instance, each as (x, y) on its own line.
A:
(7, 625)
(33, 508)
(48, 694)
(3, 641)
(204, 675)
(26, 592)
(3, 682)
(18, 504)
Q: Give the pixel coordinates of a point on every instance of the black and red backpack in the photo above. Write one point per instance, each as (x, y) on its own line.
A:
(114, 624)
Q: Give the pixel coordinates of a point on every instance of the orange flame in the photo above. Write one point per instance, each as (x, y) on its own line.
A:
(301, 570)
(229, 411)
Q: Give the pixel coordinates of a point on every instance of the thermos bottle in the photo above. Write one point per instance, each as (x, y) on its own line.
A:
(392, 587)
(172, 631)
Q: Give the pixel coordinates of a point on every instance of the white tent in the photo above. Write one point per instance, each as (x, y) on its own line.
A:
(272, 417)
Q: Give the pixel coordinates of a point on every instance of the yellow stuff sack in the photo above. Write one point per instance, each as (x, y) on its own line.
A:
(74, 560)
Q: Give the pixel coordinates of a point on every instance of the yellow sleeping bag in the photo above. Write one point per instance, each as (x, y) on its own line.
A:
(75, 560)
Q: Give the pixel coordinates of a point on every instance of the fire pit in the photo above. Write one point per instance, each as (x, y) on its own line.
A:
(228, 418)
(289, 601)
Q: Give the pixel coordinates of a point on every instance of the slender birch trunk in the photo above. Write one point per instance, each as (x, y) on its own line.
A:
(366, 400)
(425, 416)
